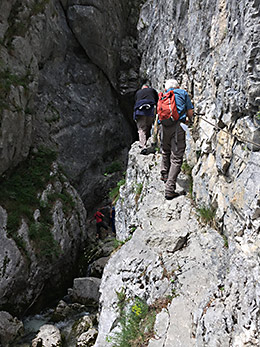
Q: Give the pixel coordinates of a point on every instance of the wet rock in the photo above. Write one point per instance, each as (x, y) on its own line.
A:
(64, 311)
(10, 328)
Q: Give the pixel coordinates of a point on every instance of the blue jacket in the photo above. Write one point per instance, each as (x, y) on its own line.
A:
(183, 102)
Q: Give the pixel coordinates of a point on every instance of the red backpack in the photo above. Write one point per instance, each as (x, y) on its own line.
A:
(166, 106)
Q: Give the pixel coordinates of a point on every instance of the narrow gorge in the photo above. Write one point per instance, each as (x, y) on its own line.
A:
(185, 271)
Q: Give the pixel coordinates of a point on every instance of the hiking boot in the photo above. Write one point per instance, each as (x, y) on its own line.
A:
(164, 177)
(170, 196)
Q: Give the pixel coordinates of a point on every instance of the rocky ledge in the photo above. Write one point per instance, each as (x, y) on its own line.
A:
(209, 286)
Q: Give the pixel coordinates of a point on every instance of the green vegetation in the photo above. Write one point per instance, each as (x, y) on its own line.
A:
(44, 243)
(118, 244)
(225, 240)
(19, 24)
(113, 167)
(38, 7)
(7, 80)
(114, 193)
(136, 320)
(19, 195)
(206, 214)
(138, 191)
(52, 114)
(133, 229)
(137, 324)
(187, 170)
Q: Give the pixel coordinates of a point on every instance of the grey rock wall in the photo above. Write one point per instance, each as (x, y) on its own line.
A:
(33, 271)
(212, 48)
(214, 286)
(68, 72)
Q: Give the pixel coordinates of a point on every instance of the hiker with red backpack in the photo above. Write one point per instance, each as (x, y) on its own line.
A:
(144, 112)
(173, 107)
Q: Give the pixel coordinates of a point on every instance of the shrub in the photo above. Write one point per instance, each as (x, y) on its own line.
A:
(114, 193)
(137, 325)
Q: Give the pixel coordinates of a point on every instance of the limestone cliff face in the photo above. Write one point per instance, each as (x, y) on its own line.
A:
(64, 68)
(67, 71)
(213, 50)
(38, 255)
(170, 253)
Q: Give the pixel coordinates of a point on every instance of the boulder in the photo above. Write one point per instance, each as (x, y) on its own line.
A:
(10, 328)
(86, 290)
(97, 267)
(88, 338)
(48, 336)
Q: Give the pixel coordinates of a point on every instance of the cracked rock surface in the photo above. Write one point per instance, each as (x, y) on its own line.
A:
(215, 295)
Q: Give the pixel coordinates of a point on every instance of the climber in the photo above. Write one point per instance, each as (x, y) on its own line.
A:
(144, 111)
(112, 218)
(99, 222)
(173, 139)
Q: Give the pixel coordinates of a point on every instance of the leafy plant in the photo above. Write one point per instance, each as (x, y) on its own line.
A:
(137, 320)
(114, 193)
(225, 240)
(19, 25)
(8, 79)
(137, 325)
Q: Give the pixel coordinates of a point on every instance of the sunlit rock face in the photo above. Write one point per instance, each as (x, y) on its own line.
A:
(213, 51)
(169, 252)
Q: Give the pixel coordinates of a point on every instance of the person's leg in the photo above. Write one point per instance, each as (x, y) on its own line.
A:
(141, 127)
(113, 227)
(103, 225)
(176, 159)
(98, 226)
(149, 124)
(166, 134)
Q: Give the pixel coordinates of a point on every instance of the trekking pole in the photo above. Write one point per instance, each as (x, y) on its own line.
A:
(239, 138)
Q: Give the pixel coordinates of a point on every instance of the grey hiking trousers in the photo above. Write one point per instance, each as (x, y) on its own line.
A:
(144, 126)
(173, 147)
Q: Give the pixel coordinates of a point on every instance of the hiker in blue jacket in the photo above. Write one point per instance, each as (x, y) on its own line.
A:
(173, 141)
(144, 111)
